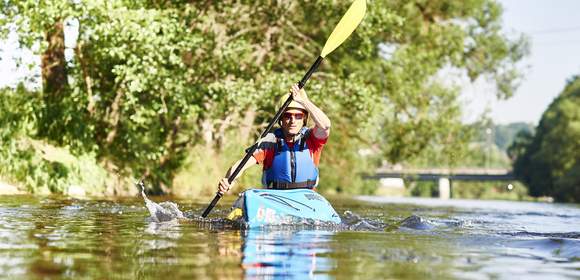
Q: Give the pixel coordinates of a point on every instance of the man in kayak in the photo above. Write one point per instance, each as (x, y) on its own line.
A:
(290, 155)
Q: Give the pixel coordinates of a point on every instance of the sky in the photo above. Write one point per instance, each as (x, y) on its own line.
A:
(10, 73)
(554, 31)
(552, 27)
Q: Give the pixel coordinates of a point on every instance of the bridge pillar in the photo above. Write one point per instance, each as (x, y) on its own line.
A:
(444, 188)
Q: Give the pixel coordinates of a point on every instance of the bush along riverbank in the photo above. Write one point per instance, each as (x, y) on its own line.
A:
(36, 167)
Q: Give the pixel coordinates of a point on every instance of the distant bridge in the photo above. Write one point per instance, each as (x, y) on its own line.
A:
(461, 174)
(445, 175)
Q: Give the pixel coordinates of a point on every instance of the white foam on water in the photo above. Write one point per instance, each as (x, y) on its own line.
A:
(161, 212)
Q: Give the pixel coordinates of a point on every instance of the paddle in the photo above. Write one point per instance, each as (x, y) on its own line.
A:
(343, 29)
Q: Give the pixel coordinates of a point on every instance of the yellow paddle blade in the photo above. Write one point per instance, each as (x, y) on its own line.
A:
(345, 26)
(235, 214)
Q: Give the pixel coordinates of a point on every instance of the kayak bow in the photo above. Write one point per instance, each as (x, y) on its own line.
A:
(262, 207)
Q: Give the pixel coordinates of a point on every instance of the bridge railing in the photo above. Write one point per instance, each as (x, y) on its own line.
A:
(444, 176)
(469, 174)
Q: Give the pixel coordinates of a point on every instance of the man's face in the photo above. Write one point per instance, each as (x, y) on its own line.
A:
(292, 121)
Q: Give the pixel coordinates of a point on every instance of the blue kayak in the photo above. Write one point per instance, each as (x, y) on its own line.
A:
(263, 207)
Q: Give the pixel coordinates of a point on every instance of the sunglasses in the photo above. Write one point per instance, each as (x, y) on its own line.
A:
(297, 116)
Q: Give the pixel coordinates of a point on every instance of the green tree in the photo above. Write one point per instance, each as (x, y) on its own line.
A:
(549, 161)
(151, 80)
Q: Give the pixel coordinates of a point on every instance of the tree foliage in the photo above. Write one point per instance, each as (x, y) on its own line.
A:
(548, 162)
(504, 135)
(150, 80)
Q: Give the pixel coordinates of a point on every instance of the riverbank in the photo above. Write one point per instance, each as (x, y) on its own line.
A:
(7, 189)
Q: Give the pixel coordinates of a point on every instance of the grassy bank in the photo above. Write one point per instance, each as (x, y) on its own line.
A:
(36, 167)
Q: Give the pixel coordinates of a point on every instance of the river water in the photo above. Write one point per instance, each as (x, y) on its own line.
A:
(52, 237)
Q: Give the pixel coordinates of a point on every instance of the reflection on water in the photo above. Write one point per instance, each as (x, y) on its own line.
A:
(299, 254)
(383, 238)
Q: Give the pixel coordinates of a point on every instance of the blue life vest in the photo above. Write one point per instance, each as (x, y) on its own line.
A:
(291, 168)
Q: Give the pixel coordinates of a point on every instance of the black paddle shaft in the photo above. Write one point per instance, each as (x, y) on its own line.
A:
(250, 151)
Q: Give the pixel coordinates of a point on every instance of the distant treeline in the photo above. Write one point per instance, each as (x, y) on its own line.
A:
(505, 134)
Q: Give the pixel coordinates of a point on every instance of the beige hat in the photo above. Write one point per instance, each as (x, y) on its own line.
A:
(295, 105)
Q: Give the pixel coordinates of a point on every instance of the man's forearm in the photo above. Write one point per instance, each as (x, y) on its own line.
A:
(251, 162)
(320, 119)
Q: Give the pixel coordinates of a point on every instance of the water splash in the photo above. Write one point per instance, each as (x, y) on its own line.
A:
(417, 222)
(352, 221)
(161, 212)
